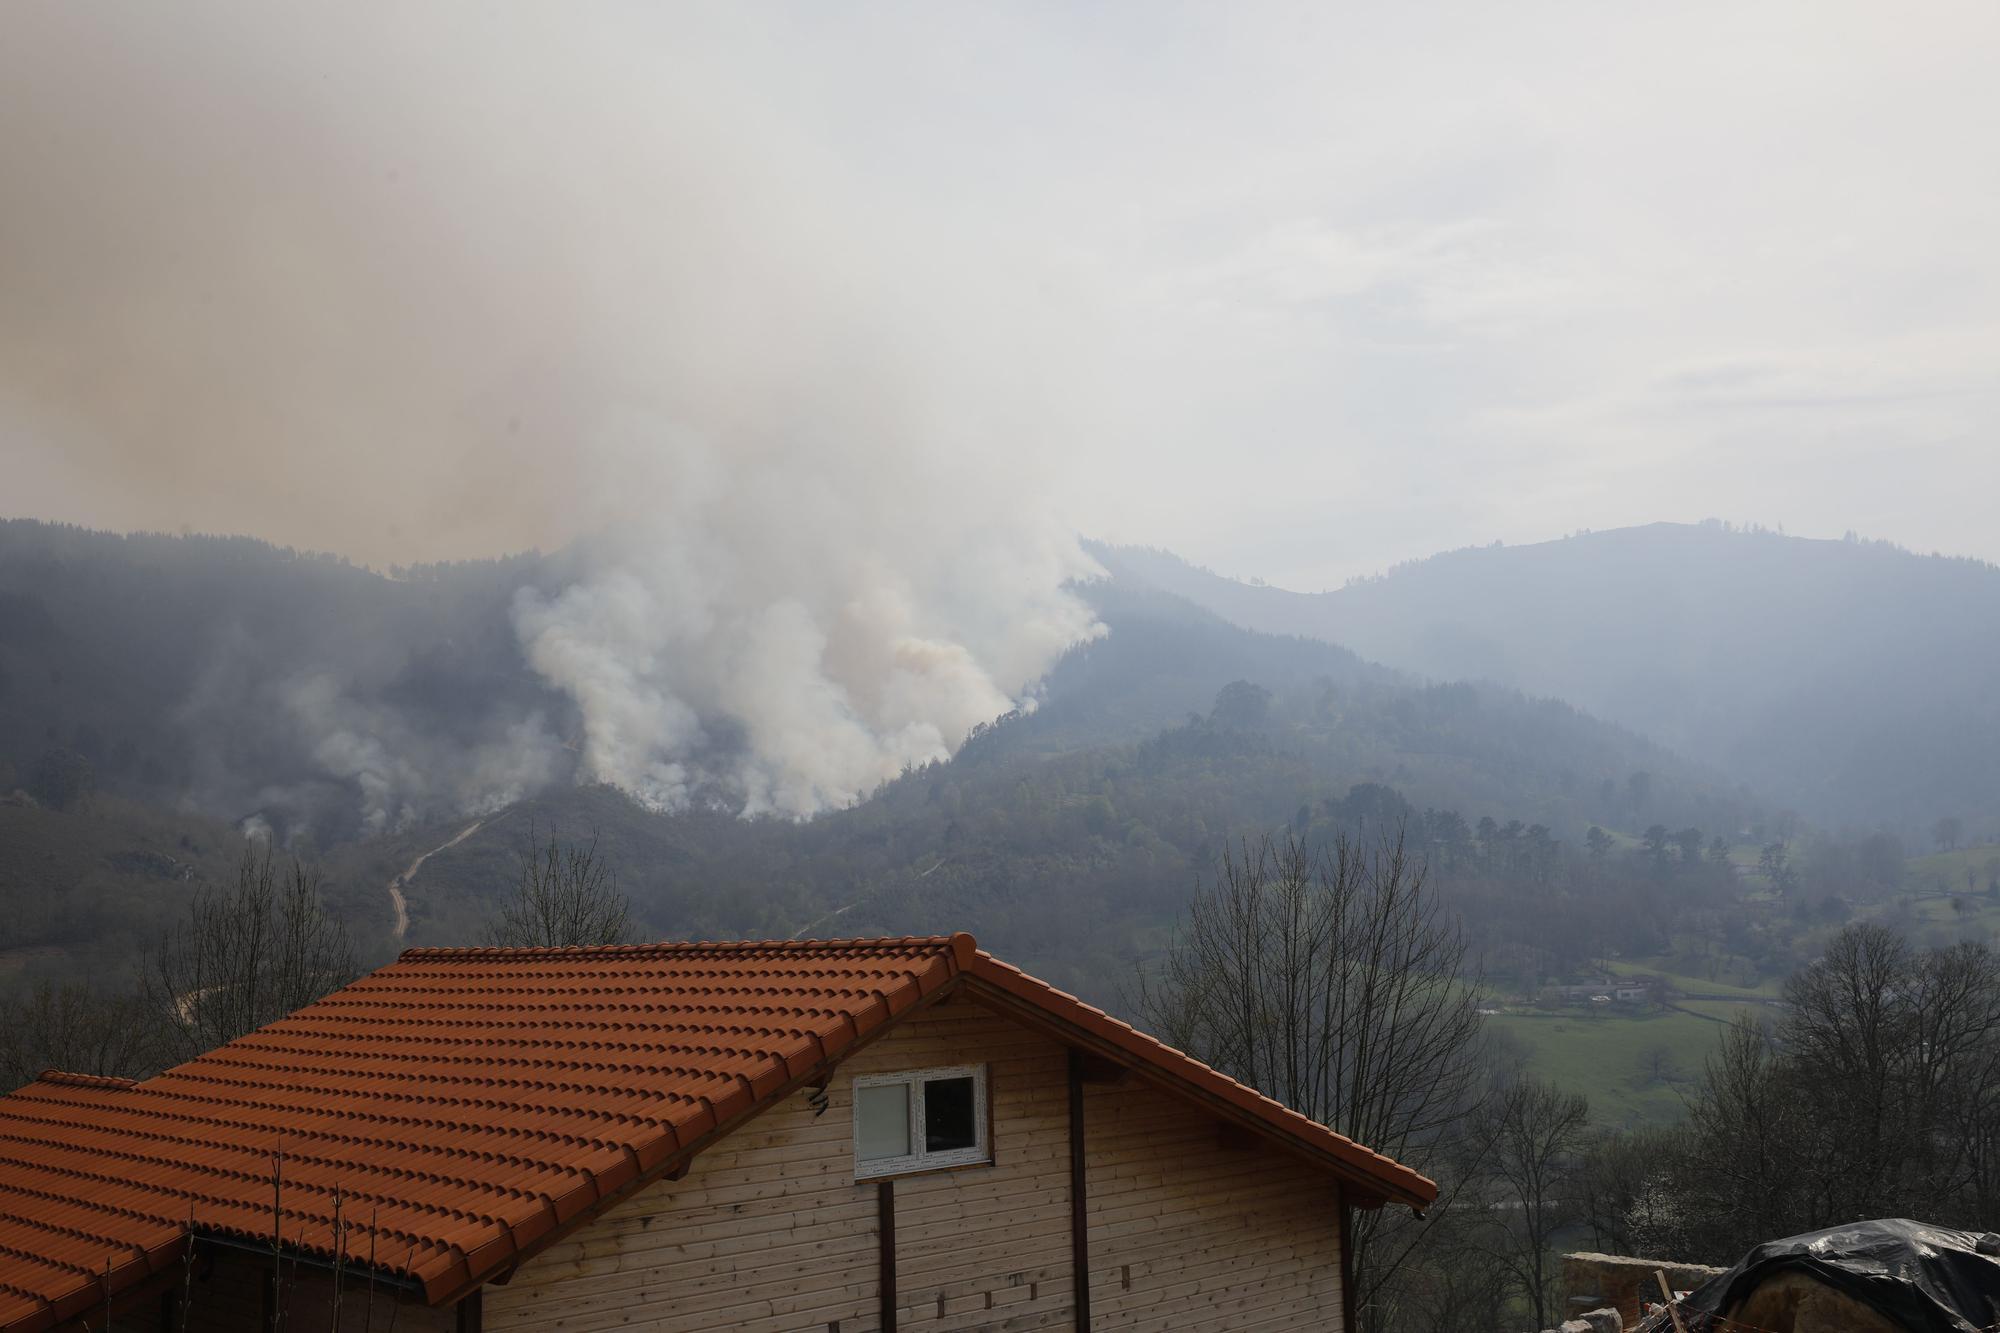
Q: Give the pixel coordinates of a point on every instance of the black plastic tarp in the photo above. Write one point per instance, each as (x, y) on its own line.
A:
(1927, 1279)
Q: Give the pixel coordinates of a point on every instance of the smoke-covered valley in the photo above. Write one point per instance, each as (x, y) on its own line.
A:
(364, 720)
(326, 701)
(161, 696)
(795, 354)
(798, 538)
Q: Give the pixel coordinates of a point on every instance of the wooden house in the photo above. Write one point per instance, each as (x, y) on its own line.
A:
(825, 1136)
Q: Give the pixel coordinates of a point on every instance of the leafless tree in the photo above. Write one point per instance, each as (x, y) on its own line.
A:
(1332, 981)
(1625, 1191)
(1657, 1064)
(1537, 1132)
(567, 895)
(1748, 1132)
(1460, 1287)
(1878, 1094)
(1901, 1050)
(246, 956)
(74, 1028)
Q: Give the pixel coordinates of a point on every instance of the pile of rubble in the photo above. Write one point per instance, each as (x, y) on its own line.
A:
(1591, 1321)
(1628, 1287)
(1887, 1276)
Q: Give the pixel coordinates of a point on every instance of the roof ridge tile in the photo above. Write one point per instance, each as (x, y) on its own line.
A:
(64, 1078)
(721, 948)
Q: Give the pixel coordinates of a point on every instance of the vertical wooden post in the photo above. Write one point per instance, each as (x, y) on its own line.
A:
(1079, 1220)
(472, 1312)
(885, 1214)
(1667, 1290)
(1347, 1324)
(274, 1310)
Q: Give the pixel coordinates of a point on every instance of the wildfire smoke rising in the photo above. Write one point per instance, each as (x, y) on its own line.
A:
(840, 637)
(480, 278)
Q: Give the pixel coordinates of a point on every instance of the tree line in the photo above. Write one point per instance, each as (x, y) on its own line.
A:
(1336, 974)
(1334, 978)
(1875, 1094)
(252, 951)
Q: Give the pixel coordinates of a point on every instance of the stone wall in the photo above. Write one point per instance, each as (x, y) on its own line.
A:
(1624, 1283)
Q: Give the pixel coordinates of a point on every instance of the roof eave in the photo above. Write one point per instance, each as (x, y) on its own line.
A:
(1383, 1179)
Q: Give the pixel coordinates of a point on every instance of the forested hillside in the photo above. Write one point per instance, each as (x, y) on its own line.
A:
(248, 679)
(1075, 855)
(146, 740)
(1851, 680)
(1070, 833)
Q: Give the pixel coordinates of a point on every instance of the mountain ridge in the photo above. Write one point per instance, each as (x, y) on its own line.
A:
(1069, 831)
(1850, 679)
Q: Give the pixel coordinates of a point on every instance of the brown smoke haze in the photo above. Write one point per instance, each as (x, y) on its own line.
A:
(827, 312)
(412, 284)
(428, 282)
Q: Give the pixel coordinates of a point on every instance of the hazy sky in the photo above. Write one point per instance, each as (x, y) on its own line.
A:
(1296, 290)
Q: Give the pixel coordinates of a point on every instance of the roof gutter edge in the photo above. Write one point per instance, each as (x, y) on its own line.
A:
(1394, 1187)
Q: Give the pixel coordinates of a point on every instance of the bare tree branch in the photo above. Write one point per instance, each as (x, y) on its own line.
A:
(1333, 982)
(567, 895)
(247, 956)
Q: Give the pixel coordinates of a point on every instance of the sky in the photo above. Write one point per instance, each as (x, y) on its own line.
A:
(1298, 291)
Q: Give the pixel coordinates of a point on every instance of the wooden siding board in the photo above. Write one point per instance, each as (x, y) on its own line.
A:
(1213, 1238)
(770, 1233)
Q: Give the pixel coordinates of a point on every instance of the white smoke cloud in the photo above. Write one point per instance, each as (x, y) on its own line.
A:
(402, 772)
(795, 634)
(489, 277)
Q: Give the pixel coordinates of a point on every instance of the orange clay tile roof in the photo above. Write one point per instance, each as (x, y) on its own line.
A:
(470, 1104)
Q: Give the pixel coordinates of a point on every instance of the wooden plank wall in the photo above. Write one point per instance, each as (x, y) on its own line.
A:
(988, 1247)
(770, 1232)
(1187, 1234)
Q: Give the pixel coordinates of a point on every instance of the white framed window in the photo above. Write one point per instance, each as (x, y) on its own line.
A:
(920, 1121)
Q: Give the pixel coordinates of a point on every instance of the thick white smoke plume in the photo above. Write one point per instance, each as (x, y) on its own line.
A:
(399, 773)
(486, 277)
(798, 637)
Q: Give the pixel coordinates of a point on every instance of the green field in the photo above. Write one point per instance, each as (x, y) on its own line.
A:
(1769, 989)
(1952, 867)
(1611, 1056)
(1956, 888)
(1608, 1058)
(1723, 1011)
(1973, 913)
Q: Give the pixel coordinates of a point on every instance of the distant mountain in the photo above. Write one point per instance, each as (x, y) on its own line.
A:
(241, 681)
(1070, 836)
(253, 682)
(1858, 682)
